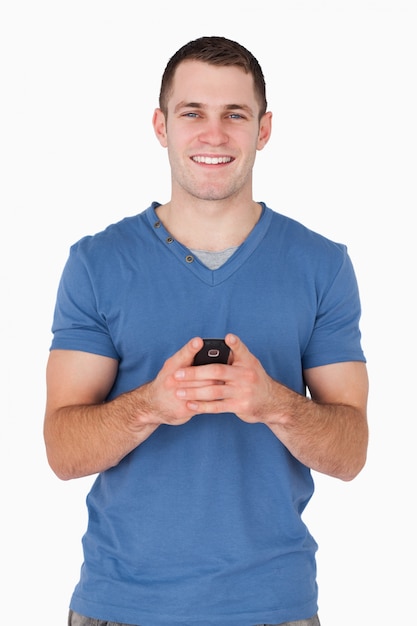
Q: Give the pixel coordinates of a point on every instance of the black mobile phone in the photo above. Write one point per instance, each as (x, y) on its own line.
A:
(213, 351)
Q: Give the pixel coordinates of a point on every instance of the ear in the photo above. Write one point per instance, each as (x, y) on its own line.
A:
(159, 127)
(265, 129)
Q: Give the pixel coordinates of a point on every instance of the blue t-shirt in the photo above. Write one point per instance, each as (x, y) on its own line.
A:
(201, 524)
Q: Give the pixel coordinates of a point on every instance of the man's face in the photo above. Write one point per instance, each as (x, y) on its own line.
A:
(212, 131)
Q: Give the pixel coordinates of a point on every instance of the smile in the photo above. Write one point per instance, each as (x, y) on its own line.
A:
(211, 160)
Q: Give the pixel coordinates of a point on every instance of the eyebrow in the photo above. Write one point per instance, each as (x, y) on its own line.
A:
(200, 105)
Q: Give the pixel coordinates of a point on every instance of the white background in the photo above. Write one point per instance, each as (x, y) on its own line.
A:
(79, 82)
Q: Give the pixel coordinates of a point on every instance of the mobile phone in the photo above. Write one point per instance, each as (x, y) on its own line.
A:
(213, 351)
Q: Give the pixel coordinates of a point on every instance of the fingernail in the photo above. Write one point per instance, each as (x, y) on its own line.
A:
(179, 374)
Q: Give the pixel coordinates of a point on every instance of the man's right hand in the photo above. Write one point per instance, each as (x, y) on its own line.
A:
(83, 433)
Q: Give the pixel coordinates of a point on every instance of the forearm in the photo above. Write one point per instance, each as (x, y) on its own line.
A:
(86, 439)
(328, 433)
(329, 438)
(85, 435)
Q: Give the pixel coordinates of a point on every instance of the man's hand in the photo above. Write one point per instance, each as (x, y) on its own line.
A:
(242, 387)
(165, 399)
(328, 433)
(83, 433)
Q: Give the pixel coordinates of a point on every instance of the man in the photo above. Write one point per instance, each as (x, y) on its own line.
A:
(204, 472)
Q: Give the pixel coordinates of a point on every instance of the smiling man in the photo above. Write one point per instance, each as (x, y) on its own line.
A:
(203, 472)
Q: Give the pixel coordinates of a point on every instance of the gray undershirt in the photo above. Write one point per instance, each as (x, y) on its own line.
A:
(214, 260)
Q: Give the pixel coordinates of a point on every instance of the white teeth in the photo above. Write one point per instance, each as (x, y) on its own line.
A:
(211, 160)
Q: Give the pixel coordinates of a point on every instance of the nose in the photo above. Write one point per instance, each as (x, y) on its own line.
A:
(213, 133)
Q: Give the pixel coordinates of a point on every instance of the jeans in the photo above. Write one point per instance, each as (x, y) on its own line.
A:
(74, 619)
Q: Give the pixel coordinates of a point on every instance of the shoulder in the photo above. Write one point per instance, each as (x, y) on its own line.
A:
(120, 237)
(109, 237)
(298, 239)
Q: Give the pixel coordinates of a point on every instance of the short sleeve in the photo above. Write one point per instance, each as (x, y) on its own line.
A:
(336, 335)
(77, 322)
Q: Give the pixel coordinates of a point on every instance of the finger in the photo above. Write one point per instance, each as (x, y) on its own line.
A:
(214, 406)
(207, 392)
(212, 373)
(237, 347)
(185, 355)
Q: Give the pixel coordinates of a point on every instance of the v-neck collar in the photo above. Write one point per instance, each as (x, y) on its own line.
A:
(194, 265)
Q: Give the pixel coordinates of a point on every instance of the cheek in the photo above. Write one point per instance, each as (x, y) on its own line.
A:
(176, 141)
(248, 142)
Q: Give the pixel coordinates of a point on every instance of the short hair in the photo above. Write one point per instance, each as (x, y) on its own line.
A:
(215, 51)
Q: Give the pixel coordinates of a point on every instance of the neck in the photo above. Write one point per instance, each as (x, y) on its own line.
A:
(210, 225)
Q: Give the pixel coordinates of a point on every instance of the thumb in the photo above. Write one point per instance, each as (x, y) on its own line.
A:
(185, 355)
(237, 347)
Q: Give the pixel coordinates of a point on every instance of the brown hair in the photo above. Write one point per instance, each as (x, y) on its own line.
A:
(215, 51)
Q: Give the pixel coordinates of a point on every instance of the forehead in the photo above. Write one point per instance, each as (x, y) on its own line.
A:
(195, 81)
